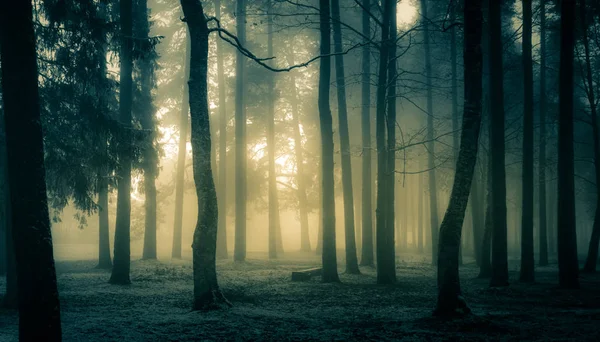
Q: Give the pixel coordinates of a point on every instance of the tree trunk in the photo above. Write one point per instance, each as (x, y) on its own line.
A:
(498, 174)
(329, 250)
(39, 307)
(104, 260)
(7, 254)
(477, 216)
(239, 253)
(386, 270)
(222, 198)
(274, 223)
(146, 112)
(120, 271)
(450, 301)
(181, 154)
(390, 172)
(366, 257)
(420, 208)
(430, 145)
(207, 294)
(567, 236)
(527, 260)
(351, 259)
(542, 161)
(300, 175)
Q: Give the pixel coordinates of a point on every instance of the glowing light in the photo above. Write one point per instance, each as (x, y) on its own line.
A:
(406, 13)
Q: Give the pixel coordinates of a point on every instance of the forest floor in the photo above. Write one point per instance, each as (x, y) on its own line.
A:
(267, 305)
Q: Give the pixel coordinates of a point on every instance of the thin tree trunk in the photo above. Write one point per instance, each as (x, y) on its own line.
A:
(542, 161)
(430, 145)
(351, 259)
(568, 272)
(150, 156)
(366, 257)
(104, 260)
(477, 216)
(498, 174)
(181, 154)
(223, 119)
(207, 294)
(386, 270)
(450, 301)
(421, 227)
(273, 199)
(527, 260)
(390, 171)
(122, 250)
(39, 307)
(239, 253)
(329, 250)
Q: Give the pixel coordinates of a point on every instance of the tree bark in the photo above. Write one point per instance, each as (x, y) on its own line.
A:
(146, 112)
(120, 271)
(499, 275)
(527, 260)
(181, 154)
(351, 259)
(386, 270)
(450, 301)
(391, 143)
(223, 119)
(568, 272)
(366, 257)
(207, 294)
(477, 214)
(329, 257)
(239, 253)
(38, 302)
(7, 256)
(542, 161)
(104, 260)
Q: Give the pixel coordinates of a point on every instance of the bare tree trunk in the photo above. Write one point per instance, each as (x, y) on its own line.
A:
(450, 301)
(120, 271)
(390, 171)
(39, 307)
(223, 119)
(477, 214)
(498, 174)
(239, 253)
(207, 294)
(527, 259)
(150, 156)
(568, 272)
(351, 259)
(420, 213)
(104, 260)
(542, 145)
(366, 257)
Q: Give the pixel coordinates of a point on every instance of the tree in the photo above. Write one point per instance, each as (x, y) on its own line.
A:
(527, 259)
(366, 194)
(223, 119)
(239, 253)
(542, 158)
(181, 153)
(39, 307)
(351, 259)
(329, 251)
(390, 171)
(568, 272)
(274, 223)
(592, 257)
(498, 173)
(386, 269)
(146, 113)
(430, 134)
(207, 294)
(450, 301)
(120, 271)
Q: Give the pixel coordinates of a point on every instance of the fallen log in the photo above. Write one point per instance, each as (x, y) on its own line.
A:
(305, 275)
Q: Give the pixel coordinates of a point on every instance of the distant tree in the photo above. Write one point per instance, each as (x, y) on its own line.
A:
(450, 301)
(39, 307)
(207, 294)
(181, 153)
(367, 193)
(239, 253)
(568, 268)
(351, 259)
(527, 259)
(543, 261)
(499, 276)
(122, 248)
(329, 257)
